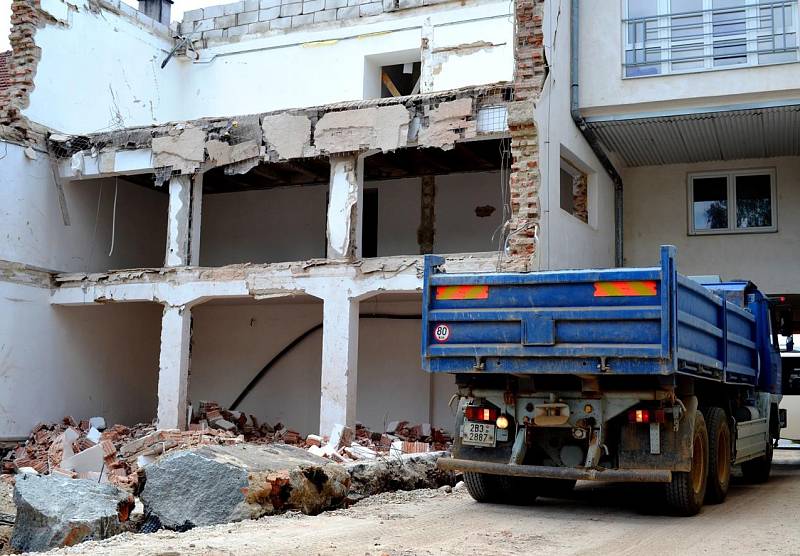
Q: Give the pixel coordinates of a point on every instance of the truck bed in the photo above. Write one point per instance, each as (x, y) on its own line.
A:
(613, 321)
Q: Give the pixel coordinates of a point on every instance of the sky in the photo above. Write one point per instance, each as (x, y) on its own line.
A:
(177, 14)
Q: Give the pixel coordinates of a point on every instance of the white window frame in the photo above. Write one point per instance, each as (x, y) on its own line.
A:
(665, 43)
(732, 209)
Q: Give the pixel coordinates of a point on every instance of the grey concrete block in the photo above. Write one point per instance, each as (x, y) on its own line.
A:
(224, 22)
(284, 2)
(235, 8)
(266, 4)
(203, 25)
(238, 31)
(291, 9)
(325, 15)
(213, 11)
(301, 20)
(353, 2)
(269, 14)
(246, 17)
(192, 15)
(214, 34)
(373, 8)
(281, 23)
(128, 10)
(311, 6)
(390, 5)
(161, 28)
(250, 5)
(347, 13)
(406, 4)
(260, 27)
(333, 4)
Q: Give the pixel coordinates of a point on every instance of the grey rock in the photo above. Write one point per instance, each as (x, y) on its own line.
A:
(405, 472)
(223, 484)
(55, 511)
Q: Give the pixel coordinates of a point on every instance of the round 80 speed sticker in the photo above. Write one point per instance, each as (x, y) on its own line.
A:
(441, 332)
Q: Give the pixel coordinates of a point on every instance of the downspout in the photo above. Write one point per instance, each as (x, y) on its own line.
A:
(590, 136)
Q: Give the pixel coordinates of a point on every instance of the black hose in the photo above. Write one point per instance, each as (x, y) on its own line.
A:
(294, 343)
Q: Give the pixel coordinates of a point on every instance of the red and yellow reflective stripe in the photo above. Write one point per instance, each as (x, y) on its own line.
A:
(462, 292)
(625, 288)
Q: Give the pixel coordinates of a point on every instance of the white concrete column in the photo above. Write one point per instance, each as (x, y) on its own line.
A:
(173, 367)
(339, 362)
(195, 218)
(180, 194)
(345, 205)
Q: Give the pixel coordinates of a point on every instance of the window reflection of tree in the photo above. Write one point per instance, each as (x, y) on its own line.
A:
(717, 215)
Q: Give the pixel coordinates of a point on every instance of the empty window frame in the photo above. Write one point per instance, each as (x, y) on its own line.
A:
(399, 80)
(669, 36)
(732, 202)
(574, 191)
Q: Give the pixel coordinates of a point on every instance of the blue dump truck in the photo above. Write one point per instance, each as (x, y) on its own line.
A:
(625, 375)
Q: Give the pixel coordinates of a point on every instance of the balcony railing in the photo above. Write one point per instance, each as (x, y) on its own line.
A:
(725, 33)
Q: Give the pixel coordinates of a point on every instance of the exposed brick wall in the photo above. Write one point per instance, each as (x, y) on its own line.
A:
(24, 57)
(524, 182)
(5, 74)
(580, 189)
(229, 22)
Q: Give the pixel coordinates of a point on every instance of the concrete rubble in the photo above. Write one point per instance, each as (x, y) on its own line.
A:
(226, 467)
(224, 484)
(55, 511)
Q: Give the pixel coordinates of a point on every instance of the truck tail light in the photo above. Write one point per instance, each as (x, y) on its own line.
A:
(475, 413)
(644, 416)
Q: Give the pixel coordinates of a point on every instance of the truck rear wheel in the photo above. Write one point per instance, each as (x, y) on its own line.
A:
(687, 490)
(501, 489)
(757, 470)
(719, 455)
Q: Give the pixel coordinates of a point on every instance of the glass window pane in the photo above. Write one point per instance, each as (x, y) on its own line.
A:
(641, 62)
(642, 8)
(753, 201)
(710, 203)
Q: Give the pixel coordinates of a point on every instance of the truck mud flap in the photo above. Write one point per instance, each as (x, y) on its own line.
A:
(547, 472)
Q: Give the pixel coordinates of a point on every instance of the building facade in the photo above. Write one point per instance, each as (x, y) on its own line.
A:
(236, 207)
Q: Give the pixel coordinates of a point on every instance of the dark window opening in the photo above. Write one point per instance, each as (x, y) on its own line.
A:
(369, 226)
(400, 79)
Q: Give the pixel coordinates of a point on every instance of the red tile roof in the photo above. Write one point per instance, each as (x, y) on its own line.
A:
(5, 74)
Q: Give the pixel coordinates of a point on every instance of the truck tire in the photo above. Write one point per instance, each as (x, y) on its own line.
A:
(686, 491)
(757, 470)
(719, 455)
(501, 489)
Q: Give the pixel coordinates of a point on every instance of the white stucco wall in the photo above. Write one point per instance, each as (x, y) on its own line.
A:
(32, 228)
(231, 342)
(78, 361)
(603, 91)
(564, 240)
(101, 71)
(656, 213)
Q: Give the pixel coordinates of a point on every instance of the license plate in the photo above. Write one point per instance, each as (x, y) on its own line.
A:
(478, 434)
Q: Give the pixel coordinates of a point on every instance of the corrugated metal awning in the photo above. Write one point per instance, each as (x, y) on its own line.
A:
(701, 137)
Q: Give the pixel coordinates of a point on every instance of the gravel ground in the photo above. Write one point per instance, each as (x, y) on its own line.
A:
(596, 519)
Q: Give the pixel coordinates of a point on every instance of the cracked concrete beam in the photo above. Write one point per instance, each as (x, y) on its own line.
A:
(448, 123)
(183, 150)
(382, 127)
(221, 153)
(287, 136)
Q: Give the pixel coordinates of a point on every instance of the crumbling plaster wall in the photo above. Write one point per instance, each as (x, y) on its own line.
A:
(81, 361)
(564, 240)
(32, 223)
(99, 68)
(326, 64)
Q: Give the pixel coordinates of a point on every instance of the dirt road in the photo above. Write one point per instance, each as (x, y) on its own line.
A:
(610, 519)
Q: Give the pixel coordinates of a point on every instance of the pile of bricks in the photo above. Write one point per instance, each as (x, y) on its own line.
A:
(211, 415)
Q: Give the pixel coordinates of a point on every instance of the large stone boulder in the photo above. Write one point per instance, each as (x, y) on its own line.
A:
(222, 484)
(55, 511)
(404, 472)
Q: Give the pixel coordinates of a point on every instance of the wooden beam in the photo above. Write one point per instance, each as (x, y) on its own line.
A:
(387, 81)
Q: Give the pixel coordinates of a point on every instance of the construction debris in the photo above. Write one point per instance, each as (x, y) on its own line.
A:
(223, 484)
(55, 511)
(406, 472)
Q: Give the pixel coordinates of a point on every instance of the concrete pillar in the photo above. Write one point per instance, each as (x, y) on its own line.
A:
(173, 367)
(339, 362)
(345, 206)
(180, 194)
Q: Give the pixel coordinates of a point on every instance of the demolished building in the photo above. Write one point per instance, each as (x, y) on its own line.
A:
(236, 207)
